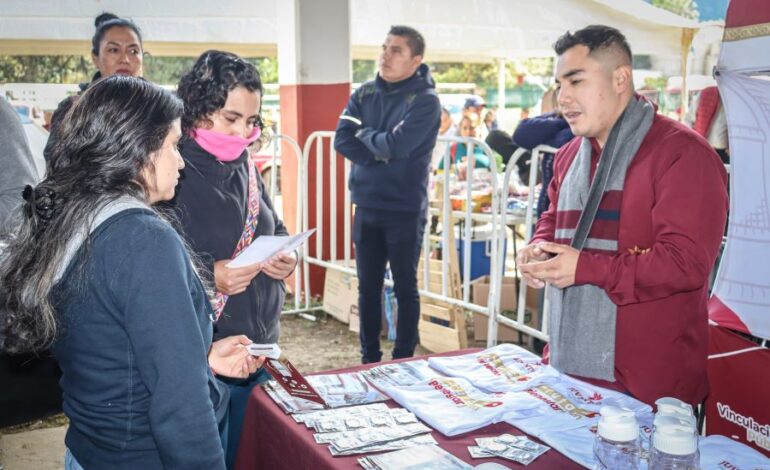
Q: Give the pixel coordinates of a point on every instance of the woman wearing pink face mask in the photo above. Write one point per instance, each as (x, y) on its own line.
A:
(222, 205)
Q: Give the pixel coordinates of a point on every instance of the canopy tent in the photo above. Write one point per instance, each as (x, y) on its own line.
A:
(456, 30)
(736, 404)
(741, 298)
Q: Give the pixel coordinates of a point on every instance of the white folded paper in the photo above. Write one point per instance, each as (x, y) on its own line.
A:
(270, 351)
(264, 247)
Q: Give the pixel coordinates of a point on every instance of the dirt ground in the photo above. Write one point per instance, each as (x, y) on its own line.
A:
(312, 346)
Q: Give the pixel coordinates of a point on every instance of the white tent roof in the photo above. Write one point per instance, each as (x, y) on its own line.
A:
(459, 30)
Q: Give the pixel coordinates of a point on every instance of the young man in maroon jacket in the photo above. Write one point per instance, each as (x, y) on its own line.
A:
(638, 207)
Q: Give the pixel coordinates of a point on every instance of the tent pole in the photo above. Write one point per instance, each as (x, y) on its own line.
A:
(687, 36)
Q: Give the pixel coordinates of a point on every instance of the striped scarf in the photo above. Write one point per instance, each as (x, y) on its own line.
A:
(582, 318)
(218, 299)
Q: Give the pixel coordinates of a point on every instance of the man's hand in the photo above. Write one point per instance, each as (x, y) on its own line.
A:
(230, 358)
(527, 255)
(558, 271)
(232, 281)
(281, 265)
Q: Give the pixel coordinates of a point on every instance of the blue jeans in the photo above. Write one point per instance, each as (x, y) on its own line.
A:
(70, 463)
(239, 398)
(380, 237)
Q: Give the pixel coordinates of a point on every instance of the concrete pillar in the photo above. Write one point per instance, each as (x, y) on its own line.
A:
(314, 76)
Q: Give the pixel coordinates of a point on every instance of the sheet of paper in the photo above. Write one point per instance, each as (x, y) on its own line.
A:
(264, 247)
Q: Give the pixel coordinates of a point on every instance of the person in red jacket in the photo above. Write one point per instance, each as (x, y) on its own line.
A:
(638, 207)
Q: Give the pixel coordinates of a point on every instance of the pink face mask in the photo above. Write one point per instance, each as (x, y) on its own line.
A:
(225, 147)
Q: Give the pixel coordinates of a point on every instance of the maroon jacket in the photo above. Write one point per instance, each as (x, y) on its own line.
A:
(672, 217)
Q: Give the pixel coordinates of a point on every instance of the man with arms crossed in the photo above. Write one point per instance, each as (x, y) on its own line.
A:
(388, 130)
(638, 207)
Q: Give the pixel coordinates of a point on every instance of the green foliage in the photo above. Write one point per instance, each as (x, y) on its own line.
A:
(363, 70)
(685, 8)
(45, 69)
(79, 69)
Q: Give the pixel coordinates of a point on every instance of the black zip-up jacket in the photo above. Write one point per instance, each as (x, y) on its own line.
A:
(211, 203)
(388, 131)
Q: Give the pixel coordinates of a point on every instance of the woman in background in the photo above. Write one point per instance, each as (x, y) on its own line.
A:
(458, 151)
(116, 49)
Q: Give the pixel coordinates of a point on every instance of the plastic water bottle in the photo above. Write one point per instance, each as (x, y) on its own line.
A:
(669, 407)
(674, 446)
(617, 444)
(673, 405)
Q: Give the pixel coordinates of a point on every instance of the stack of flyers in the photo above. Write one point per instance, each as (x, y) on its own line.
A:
(400, 374)
(292, 380)
(419, 440)
(309, 419)
(368, 437)
(336, 390)
(365, 420)
(414, 458)
(347, 389)
(516, 448)
(288, 403)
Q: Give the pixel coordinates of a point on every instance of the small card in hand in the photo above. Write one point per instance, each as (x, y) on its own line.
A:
(270, 351)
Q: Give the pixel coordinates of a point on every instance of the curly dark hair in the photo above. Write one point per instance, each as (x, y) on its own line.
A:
(205, 87)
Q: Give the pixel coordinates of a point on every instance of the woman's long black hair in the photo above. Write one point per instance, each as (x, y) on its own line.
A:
(107, 139)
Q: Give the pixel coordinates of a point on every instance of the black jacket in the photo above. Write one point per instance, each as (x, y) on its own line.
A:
(211, 203)
(391, 149)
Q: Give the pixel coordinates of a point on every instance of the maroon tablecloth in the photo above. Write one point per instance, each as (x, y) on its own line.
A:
(272, 440)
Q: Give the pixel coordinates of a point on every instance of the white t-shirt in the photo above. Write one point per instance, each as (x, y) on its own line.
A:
(453, 406)
(723, 453)
(568, 403)
(578, 444)
(502, 368)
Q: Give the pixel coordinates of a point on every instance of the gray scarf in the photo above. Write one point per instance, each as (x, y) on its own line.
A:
(582, 318)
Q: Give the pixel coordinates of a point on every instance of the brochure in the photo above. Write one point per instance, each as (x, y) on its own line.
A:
(266, 246)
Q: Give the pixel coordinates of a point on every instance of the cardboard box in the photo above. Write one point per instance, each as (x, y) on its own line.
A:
(340, 296)
(508, 296)
(504, 332)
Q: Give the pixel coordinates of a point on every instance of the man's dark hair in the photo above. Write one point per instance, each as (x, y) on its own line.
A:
(413, 38)
(596, 38)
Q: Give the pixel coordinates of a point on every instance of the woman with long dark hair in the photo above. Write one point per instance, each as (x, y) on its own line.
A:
(116, 49)
(222, 205)
(95, 273)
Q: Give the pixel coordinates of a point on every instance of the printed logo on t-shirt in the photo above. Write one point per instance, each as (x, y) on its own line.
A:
(494, 364)
(559, 402)
(457, 394)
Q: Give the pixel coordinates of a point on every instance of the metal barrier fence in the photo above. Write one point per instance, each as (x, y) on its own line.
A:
(277, 139)
(326, 199)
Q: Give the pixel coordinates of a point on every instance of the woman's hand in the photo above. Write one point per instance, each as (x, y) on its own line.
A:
(230, 358)
(232, 281)
(281, 265)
